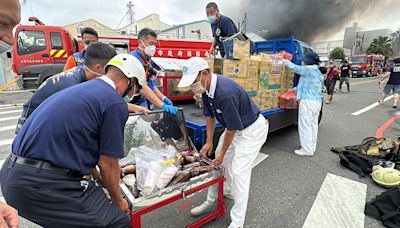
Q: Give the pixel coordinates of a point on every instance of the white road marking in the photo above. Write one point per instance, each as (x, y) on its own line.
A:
(9, 118)
(10, 105)
(259, 159)
(340, 203)
(8, 112)
(361, 111)
(6, 142)
(7, 128)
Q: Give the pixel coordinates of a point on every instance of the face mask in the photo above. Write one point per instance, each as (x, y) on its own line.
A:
(98, 74)
(127, 88)
(149, 50)
(212, 19)
(197, 88)
(128, 99)
(4, 47)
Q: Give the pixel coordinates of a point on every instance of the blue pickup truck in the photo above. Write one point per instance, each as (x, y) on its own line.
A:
(278, 118)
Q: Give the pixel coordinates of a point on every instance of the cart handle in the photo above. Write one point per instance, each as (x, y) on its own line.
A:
(151, 112)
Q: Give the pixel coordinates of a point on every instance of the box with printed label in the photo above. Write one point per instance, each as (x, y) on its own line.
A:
(235, 68)
(252, 70)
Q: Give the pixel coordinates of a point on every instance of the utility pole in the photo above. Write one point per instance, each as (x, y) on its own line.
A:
(358, 43)
(131, 14)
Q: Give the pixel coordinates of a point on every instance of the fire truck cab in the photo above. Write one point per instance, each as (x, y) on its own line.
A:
(40, 52)
(366, 65)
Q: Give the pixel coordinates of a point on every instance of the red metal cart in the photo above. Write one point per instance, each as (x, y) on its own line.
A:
(144, 205)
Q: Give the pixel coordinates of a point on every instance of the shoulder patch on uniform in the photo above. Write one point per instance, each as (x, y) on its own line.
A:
(396, 69)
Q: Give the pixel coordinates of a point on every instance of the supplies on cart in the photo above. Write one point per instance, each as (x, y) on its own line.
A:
(151, 173)
(156, 169)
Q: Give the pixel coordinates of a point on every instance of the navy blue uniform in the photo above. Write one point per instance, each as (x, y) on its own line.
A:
(230, 105)
(59, 143)
(53, 85)
(71, 129)
(394, 78)
(222, 29)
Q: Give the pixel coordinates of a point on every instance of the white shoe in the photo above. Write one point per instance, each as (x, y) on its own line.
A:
(229, 195)
(302, 152)
(202, 209)
(233, 226)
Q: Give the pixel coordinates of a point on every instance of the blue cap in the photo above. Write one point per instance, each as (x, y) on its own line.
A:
(311, 58)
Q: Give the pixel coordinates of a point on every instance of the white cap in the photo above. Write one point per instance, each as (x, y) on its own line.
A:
(191, 69)
(130, 66)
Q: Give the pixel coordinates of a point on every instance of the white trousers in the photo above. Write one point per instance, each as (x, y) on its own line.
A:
(308, 124)
(238, 162)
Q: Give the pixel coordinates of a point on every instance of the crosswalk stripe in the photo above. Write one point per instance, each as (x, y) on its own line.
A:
(9, 118)
(5, 142)
(7, 128)
(340, 203)
(9, 112)
(9, 107)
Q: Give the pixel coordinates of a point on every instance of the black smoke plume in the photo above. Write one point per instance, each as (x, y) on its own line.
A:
(307, 20)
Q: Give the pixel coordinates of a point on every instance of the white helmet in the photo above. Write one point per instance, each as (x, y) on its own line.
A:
(130, 66)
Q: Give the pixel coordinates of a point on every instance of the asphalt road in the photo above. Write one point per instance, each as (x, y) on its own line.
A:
(284, 186)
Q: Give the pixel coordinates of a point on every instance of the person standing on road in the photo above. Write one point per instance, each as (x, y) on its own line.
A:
(246, 131)
(330, 81)
(222, 27)
(96, 57)
(10, 16)
(393, 84)
(147, 48)
(345, 73)
(63, 140)
(89, 36)
(309, 95)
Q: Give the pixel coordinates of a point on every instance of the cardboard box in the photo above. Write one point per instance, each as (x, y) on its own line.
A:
(215, 64)
(237, 49)
(252, 70)
(270, 81)
(241, 69)
(235, 68)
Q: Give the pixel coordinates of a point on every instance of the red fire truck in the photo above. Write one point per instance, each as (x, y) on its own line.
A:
(41, 51)
(366, 65)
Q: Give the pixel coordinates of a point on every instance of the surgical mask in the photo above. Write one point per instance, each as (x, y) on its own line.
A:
(212, 19)
(127, 88)
(4, 47)
(92, 71)
(149, 50)
(128, 99)
(197, 88)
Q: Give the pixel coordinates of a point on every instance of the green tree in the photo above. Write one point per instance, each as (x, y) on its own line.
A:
(337, 53)
(381, 45)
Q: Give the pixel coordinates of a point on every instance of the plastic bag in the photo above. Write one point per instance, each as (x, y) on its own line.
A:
(151, 174)
(289, 100)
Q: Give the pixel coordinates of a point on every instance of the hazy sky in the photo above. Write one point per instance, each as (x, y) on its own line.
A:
(63, 12)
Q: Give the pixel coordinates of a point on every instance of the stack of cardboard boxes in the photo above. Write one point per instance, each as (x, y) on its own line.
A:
(264, 77)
